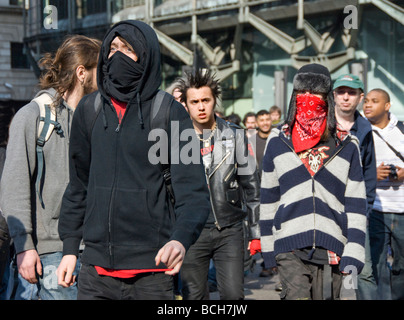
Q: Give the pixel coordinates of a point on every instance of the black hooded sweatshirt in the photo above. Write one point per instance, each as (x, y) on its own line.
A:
(116, 199)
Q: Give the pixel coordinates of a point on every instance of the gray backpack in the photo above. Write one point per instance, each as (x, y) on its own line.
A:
(47, 124)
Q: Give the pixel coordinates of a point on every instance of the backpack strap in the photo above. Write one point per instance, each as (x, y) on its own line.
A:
(400, 125)
(159, 119)
(91, 110)
(47, 117)
(47, 123)
(160, 116)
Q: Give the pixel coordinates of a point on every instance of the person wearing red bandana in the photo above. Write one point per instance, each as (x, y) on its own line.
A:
(313, 199)
(310, 121)
(309, 128)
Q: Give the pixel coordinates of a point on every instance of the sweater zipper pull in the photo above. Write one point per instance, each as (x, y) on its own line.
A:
(310, 255)
(118, 127)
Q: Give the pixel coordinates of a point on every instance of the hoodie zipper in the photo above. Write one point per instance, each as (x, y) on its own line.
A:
(118, 128)
(208, 176)
(113, 191)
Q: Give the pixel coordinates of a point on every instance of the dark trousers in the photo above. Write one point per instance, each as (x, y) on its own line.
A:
(387, 230)
(302, 280)
(4, 247)
(226, 248)
(147, 286)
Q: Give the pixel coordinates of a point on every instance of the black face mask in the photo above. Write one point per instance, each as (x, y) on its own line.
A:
(122, 76)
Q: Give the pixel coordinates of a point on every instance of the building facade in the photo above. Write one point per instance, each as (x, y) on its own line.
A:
(17, 79)
(254, 46)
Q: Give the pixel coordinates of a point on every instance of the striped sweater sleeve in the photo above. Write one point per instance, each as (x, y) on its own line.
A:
(355, 209)
(269, 202)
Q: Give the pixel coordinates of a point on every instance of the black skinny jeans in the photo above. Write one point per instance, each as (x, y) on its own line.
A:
(226, 248)
(146, 286)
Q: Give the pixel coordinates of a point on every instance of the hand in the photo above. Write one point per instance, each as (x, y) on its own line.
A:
(65, 271)
(382, 172)
(254, 246)
(400, 173)
(172, 255)
(29, 265)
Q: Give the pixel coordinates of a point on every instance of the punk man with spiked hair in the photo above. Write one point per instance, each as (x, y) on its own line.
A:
(231, 176)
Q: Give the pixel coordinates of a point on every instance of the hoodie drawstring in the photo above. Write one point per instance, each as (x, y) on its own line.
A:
(140, 113)
(104, 118)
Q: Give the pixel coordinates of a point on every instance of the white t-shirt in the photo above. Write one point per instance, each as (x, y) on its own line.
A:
(389, 194)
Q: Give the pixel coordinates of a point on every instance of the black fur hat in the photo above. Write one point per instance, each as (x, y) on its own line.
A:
(314, 78)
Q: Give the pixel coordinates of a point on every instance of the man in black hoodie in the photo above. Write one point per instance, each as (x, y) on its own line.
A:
(116, 200)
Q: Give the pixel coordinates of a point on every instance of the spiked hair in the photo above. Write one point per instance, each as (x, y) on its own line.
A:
(198, 79)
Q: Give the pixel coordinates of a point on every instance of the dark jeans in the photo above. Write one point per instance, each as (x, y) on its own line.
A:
(147, 286)
(387, 229)
(367, 286)
(302, 280)
(4, 246)
(226, 248)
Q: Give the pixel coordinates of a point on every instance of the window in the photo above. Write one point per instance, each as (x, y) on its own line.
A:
(61, 5)
(95, 6)
(19, 59)
(16, 2)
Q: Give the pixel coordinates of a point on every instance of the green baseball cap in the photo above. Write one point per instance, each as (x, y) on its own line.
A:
(349, 80)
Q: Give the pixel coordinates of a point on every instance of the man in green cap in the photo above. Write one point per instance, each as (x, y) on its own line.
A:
(348, 94)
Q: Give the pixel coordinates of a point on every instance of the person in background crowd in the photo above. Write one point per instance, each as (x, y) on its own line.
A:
(264, 124)
(313, 201)
(234, 118)
(348, 94)
(6, 114)
(250, 123)
(276, 115)
(174, 90)
(68, 76)
(386, 221)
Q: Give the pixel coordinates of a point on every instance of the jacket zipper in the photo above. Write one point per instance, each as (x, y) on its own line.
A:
(227, 177)
(211, 204)
(220, 163)
(313, 191)
(208, 176)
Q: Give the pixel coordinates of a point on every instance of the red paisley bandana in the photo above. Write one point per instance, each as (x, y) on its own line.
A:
(311, 113)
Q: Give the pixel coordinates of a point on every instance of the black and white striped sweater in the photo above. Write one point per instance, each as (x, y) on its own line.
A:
(327, 210)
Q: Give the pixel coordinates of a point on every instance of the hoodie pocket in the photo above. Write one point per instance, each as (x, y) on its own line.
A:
(132, 222)
(96, 218)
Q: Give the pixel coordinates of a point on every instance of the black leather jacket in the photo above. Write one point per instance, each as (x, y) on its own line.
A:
(233, 179)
